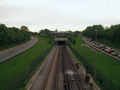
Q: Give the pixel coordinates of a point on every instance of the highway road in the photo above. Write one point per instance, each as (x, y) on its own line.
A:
(9, 53)
(105, 53)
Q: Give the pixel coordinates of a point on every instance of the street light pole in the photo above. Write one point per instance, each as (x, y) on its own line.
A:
(117, 42)
(95, 53)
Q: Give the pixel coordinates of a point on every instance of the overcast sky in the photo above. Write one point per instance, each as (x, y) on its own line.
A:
(59, 14)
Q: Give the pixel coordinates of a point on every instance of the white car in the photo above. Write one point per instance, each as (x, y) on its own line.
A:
(119, 55)
(114, 53)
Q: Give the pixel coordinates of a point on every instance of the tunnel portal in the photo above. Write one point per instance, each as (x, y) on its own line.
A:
(61, 40)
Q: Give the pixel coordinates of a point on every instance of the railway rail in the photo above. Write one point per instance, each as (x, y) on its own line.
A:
(48, 83)
(56, 73)
(71, 79)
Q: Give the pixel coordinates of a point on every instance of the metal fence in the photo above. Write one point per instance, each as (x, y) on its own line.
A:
(103, 82)
(16, 83)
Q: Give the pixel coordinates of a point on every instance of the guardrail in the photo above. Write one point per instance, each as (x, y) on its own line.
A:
(15, 83)
(103, 82)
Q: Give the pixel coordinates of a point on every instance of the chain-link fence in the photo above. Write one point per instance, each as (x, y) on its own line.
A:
(103, 82)
(15, 84)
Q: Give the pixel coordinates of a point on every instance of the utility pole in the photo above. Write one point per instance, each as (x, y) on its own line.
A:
(95, 53)
(117, 42)
(43, 44)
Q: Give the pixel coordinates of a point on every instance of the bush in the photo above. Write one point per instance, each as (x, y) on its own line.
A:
(49, 41)
(73, 41)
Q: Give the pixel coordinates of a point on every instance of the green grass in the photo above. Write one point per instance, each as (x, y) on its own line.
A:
(22, 87)
(12, 45)
(10, 69)
(106, 65)
(108, 43)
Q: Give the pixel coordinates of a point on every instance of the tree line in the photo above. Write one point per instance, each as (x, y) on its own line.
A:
(111, 34)
(13, 36)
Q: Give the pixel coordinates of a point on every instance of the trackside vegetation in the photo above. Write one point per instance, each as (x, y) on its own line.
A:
(105, 35)
(106, 65)
(13, 67)
(12, 36)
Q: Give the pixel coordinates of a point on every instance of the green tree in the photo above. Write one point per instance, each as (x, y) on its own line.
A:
(111, 34)
(56, 30)
(12, 36)
(25, 28)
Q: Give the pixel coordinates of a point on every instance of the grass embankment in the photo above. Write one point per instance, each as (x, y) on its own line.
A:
(106, 65)
(10, 69)
(114, 44)
(12, 45)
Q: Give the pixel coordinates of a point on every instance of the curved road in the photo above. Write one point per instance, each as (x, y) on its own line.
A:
(6, 54)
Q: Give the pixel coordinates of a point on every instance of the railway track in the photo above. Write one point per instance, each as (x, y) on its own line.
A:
(71, 79)
(49, 79)
(52, 79)
(56, 73)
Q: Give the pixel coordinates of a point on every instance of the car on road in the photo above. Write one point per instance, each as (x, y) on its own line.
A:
(119, 55)
(113, 50)
(103, 48)
(109, 50)
(93, 44)
(114, 53)
(97, 45)
(88, 41)
(100, 46)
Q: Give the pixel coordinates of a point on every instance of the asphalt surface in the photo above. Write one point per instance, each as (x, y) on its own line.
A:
(15, 51)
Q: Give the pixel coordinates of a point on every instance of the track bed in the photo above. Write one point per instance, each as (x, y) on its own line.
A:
(60, 72)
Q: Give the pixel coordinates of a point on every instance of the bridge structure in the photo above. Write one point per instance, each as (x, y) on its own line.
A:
(61, 38)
